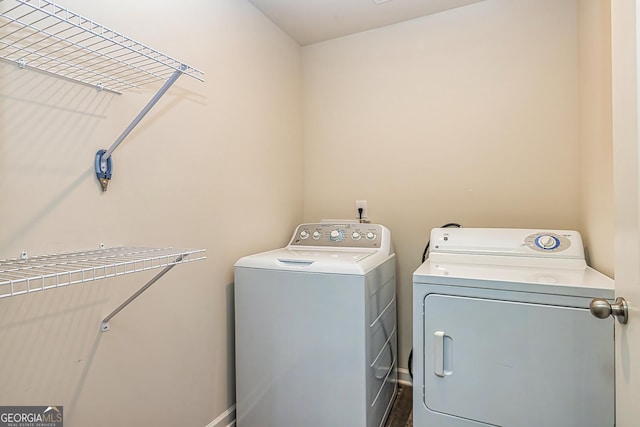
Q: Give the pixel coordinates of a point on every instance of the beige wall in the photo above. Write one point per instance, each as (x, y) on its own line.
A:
(491, 115)
(214, 165)
(595, 132)
(470, 115)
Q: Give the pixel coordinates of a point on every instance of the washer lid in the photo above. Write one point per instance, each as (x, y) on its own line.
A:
(582, 282)
(316, 260)
(328, 255)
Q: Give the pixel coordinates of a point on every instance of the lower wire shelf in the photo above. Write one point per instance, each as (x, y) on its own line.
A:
(31, 274)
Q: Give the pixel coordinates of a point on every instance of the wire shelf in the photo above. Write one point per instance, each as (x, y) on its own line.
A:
(22, 276)
(43, 35)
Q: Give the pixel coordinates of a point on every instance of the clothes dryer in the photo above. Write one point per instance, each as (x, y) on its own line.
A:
(502, 332)
(315, 329)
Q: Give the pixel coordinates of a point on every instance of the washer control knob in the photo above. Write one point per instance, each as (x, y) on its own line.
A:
(371, 236)
(336, 235)
(316, 234)
(304, 234)
(355, 235)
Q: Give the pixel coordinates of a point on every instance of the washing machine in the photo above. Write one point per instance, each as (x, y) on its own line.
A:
(315, 329)
(502, 333)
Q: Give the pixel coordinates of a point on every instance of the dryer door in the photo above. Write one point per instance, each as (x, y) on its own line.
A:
(511, 364)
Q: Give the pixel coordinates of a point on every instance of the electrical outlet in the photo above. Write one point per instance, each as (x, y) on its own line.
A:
(361, 204)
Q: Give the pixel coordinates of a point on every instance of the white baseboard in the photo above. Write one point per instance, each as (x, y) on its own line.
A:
(403, 377)
(226, 419)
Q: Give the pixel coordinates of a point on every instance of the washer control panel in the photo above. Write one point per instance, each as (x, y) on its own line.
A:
(354, 235)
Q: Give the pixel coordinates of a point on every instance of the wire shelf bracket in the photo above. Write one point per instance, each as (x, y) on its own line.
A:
(26, 274)
(43, 35)
(105, 325)
(103, 161)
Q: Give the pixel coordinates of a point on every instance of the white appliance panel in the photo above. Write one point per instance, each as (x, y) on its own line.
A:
(517, 364)
(275, 316)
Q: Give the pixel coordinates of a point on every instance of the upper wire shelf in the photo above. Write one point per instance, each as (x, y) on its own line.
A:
(51, 38)
(21, 276)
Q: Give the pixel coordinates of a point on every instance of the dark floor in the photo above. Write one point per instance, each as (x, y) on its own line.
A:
(401, 414)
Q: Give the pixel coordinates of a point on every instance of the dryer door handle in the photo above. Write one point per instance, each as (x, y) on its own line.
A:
(442, 356)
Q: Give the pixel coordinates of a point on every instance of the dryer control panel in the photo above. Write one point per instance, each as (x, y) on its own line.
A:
(507, 242)
(548, 242)
(354, 235)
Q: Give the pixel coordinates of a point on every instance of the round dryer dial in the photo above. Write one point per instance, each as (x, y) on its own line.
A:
(547, 242)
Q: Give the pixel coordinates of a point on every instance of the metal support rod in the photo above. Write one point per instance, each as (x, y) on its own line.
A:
(105, 323)
(144, 111)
